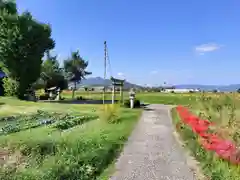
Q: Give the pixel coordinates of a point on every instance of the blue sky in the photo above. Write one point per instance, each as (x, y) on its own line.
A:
(149, 41)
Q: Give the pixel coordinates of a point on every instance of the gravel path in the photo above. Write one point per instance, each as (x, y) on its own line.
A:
(152, 153)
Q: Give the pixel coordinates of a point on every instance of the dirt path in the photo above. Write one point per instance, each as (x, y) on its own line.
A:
(152, 153)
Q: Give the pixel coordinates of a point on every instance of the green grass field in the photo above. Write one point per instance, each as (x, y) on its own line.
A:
(88, 150)
(147, 97)
(82, 152)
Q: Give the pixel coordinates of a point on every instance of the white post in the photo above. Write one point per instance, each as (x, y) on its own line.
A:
(113, 94)
(131, 102)
(131, 97)
(121, 94)
(58, 95)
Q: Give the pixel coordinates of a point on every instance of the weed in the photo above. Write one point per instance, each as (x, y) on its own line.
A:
(110, 113)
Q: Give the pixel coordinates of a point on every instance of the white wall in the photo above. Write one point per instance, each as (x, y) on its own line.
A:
(181, 90)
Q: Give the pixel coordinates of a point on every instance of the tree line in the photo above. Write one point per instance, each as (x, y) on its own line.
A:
(24, 41)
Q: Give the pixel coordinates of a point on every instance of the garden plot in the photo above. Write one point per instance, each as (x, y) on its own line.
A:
(62, 141)
(60, 121)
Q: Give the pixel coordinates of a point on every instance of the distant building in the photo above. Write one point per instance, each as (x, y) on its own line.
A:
(180, 90)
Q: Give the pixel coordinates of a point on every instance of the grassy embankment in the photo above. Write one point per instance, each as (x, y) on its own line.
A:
(224, 111)
(47, 152)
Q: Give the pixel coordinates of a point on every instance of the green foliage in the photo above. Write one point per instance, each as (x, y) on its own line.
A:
(73, 121)
(82, 152)
(8, 6)
(51, 74)
(23, 43)
(137, 103)
(10, 87)
(44, 96)
(110, 113)
(75, 69)
(222, 109)
(212, 166)
(60, 121)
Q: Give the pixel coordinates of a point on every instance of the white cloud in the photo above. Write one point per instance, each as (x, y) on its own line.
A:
(120, 74)
(154, 72)
(210, 47)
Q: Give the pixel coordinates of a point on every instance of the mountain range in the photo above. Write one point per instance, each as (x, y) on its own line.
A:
(99, 81)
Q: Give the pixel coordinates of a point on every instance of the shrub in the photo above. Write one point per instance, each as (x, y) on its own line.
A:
(110, 113)
(73, 121)
(137, 103)
(10, 87)
(44, 97)
(9, 128)
(79, 98)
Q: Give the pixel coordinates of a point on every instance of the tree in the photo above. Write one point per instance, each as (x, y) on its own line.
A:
(238, 90)
(51, 74)
(215, 91)
(75, 68)
(23, 42)
(50, 65)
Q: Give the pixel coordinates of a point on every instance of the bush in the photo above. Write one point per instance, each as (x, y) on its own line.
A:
(79, 98)
(73, 121)
(110, 113)
(10, 87)
(137, 103)
(44, 97)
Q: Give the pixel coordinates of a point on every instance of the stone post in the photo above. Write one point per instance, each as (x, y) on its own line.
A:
(113, 94)
(58, 94)
(132, 98)
(121, 93)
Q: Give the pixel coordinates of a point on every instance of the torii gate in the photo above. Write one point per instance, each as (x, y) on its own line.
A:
(117, 83)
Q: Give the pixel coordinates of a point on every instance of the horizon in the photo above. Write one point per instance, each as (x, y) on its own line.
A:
(154, 42)
(171, 84)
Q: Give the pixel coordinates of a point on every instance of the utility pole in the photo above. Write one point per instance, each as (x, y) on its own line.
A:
(105, 68)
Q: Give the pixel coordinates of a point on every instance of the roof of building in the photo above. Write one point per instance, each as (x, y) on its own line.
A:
(2, 74)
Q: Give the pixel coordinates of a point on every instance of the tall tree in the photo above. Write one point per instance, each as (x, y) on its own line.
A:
(75, 68)
(23, 42)
(50, 65)
(52, 74)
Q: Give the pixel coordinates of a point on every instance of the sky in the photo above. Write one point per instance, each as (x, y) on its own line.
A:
(149, 41)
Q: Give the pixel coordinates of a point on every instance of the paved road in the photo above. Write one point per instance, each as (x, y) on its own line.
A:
(152, 152)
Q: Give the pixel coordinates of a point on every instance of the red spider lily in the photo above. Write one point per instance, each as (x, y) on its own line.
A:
(223, 148)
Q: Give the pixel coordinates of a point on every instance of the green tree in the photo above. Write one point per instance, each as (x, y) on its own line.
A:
(75, 68)
(23, 42)
(50, 65)
(238, 90)
(51, 74)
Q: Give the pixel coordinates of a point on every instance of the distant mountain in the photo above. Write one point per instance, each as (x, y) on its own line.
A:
(225, 88)
(98, 81)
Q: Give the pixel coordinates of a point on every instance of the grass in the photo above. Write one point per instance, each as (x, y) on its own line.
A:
(84, 152)
(223, 110)
(87, 151)
(146, 97)
(11, 106)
